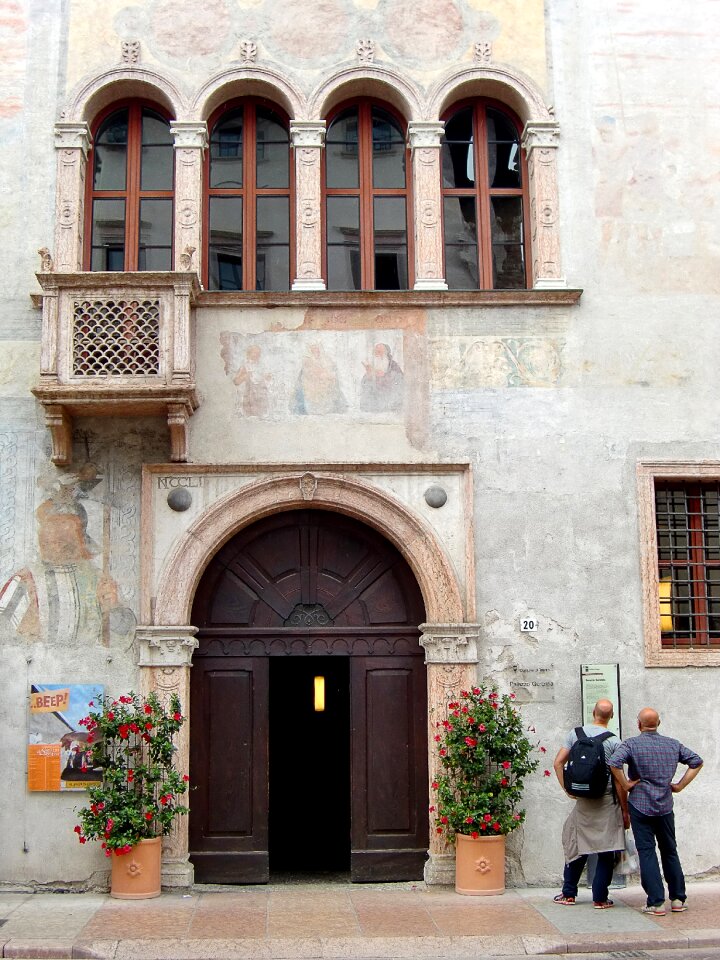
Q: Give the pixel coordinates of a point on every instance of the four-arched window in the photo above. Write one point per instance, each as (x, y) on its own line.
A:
(130, 209)
(366, 200)
(484, 205)
(249, 180)
(249, 205)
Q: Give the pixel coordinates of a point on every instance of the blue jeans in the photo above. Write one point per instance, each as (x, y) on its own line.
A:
(647, 830)
(601, 880)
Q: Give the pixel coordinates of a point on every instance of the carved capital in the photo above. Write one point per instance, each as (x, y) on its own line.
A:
(307, 133)
(544, 134)
(166, 646)
(425, 134)
(450, 642)
(189, 134)
(72, 136)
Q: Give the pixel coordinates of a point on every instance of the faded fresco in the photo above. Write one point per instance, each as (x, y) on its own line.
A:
(316, 374)
(467, 363)
(67, 596)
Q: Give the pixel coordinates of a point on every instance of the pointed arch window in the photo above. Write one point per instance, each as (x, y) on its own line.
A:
(367, 210)
(130, 207)
(485, 207)
(249, 191)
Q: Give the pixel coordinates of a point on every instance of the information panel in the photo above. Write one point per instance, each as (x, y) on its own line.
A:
(58, 754)
(600, 681)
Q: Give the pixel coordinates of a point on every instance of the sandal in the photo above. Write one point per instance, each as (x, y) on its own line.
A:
(604, 905)
(566, 901)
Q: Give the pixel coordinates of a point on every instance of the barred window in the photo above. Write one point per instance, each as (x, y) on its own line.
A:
(688, 556)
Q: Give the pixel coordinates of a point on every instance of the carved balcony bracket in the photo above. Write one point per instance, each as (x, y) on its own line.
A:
(117, 344)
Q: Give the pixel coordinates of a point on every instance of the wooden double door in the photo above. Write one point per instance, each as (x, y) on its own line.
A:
(301, 603)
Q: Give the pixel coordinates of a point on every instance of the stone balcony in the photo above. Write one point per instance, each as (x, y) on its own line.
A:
(117, 345)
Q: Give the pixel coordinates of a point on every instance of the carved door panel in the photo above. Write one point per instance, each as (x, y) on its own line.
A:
(389, 768)
(229, 770)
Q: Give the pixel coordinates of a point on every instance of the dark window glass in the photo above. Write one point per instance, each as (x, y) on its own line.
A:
(272, 149)
(506, 225)
(226, 248)
(108, 235)
(388, 151)
(155, 251)
(504, 168)
(458, 152)
(273, 243)
(226, 151)
(461, 261)
(341, 151)
(156, 165)
(343, 233)
(390, 235)
(110, 153)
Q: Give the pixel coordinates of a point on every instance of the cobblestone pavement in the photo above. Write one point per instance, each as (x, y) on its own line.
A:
(338, 920)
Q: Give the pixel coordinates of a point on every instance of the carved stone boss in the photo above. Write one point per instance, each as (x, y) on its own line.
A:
(72, 143)
(165, 659)
(540, 140)
(425, 139)
(308, 140)
(190, 140)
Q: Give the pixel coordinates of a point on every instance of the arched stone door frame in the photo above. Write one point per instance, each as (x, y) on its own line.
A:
(166, 645)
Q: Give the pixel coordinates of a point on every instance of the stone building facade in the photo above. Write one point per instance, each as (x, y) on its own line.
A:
(363, 330)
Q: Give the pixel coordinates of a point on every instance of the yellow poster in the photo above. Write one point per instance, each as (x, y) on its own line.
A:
(59, 755)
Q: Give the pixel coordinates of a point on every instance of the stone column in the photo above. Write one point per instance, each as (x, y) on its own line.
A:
(451, 657)
(425, 139)
(190, 139)
(72, 142)
(308, 140)
(165, 660)
(540, 140)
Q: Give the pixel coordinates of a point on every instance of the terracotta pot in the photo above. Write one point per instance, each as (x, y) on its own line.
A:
(136, 875)
(479, 865)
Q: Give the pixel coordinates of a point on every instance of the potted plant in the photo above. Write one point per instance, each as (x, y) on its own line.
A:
(484, 756)
(132, 745)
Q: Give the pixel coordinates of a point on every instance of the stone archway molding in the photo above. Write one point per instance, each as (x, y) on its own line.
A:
(322, 491)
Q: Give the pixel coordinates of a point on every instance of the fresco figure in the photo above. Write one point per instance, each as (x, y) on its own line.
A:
(253, 399)
(318, 391)
(65, 598)
(382, 388)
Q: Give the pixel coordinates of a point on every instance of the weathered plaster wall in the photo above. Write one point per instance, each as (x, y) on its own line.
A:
(552, 406)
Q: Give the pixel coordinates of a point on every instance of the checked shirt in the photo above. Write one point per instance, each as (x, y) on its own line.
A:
(653, 759)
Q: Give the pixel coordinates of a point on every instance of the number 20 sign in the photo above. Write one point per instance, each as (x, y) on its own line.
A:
(528, 624)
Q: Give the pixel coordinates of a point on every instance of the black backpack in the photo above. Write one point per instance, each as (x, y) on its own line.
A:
(586, 772)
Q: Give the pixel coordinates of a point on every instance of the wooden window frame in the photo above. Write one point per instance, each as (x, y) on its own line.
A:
(132, 194)
(648, 475)
(482, 192)
(366, 192)
(249, 192)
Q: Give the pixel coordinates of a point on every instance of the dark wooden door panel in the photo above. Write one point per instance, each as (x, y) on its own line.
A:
(389, 768)
(228, 765)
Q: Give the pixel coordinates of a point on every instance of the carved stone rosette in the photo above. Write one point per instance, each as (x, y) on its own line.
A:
(540, 140)
(451, 657)
(425, 139)
(308, 140)
(190, 140)
(165, 658)
(72, 143)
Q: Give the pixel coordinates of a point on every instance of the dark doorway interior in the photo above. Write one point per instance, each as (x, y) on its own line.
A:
(309, 815)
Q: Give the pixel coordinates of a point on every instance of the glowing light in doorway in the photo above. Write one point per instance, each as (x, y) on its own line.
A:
(319, 694)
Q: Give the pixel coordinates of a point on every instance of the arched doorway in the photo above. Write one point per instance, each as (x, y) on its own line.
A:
(279, 784)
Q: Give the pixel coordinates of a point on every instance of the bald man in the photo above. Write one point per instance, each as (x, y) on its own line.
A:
(595, 825)
(652, 761)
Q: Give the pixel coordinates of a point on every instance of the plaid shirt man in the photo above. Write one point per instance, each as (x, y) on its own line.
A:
(652, 759)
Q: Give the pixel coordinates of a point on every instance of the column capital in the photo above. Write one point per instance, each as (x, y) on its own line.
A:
(189, 133)
(72, 136)
(450, 642)
(544, 134)
(307, 133)
(166, 646)
(425, 133)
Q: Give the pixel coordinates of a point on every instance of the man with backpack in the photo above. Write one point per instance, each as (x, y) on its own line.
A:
(598, 821)
(652, 761)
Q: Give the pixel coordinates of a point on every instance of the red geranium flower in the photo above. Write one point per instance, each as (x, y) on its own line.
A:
(504, 782)
(177, 716)
(147, 708)
(148, 815)
(443, 819)
(487, 818)
(469, 819)
(471, 741)
(506, 764)
(546, 773)
(496, 827)
(474, 834)
(185, 777)
(111, 715)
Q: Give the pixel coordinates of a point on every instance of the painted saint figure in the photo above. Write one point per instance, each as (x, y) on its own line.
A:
(383, 386)
(318, 390)
(253, 385)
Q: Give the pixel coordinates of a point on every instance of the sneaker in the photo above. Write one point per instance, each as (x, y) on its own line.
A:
(678, 906)
(657, 909)
(603, 904)
(565, 901)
